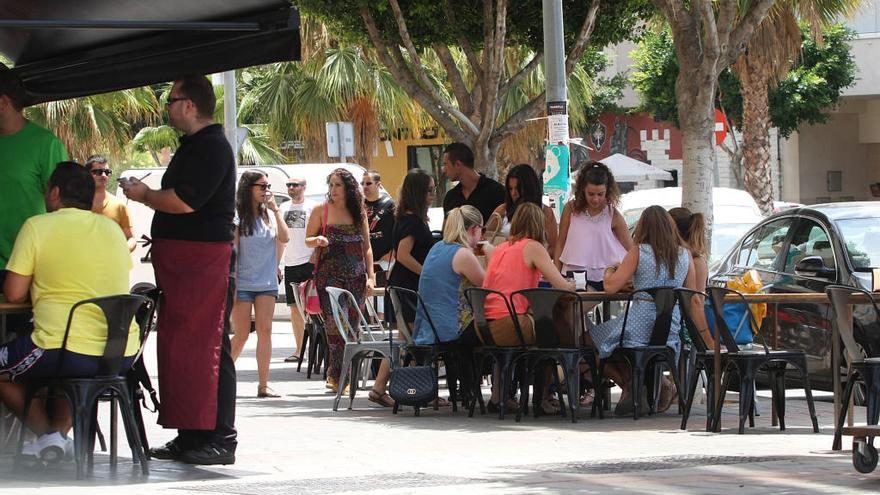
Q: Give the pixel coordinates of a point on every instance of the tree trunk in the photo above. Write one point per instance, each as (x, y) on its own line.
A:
(697, 123)
(756, 138)
(485, 155)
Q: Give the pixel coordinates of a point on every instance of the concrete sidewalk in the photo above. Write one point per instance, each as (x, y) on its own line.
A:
(298, 444)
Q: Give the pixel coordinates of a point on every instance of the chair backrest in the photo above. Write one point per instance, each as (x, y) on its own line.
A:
(718, 296)
(298, 301)
(689, 318)
(343, 304)
(119, 311)
(557, 316)
(664, 303)
(839, 295)
(401, 296)
(406, 329)
(476, 297)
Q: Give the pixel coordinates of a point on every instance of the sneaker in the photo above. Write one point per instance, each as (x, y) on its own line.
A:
(50, 448)
(170, 451)
(209, 454)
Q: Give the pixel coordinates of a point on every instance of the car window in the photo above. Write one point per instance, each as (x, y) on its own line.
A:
(809, 239)
(761, 248)
(861, 236)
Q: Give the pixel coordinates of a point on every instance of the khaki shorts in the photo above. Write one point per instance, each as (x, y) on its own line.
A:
(504, 333)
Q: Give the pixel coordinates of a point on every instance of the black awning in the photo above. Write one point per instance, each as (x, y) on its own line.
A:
(64, 49)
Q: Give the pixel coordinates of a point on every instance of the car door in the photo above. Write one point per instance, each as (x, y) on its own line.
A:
(760, 250)
(807, 327)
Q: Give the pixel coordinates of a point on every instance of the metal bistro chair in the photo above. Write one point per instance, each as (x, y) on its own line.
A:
(866, 369)
(83, 393)
(508, 358)
(703, 356)
(747, 363)
(360, 343)
(560, 345)
(314, 337)
(644, 359)
(449, 352)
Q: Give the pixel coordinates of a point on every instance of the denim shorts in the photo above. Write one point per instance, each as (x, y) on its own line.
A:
(23, 359)
(251, 295)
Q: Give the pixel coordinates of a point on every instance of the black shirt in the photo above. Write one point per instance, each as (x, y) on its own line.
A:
(202, 173)
(380, 217)
(485, 197)
(410, 225)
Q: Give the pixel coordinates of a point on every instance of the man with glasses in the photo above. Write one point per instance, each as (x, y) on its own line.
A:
(192, 244)
(29, 155)
(107, 204)
(380, 217)
(297, 256)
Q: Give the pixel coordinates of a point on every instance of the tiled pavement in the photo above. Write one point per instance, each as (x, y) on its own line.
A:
(297, 444)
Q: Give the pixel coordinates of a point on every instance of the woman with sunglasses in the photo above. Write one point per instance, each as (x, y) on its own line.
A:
(260, 236)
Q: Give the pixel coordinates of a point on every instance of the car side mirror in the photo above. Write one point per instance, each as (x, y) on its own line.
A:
(813, 266)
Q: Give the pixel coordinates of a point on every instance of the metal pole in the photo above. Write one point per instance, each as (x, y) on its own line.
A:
(556, 170)
(230, 111)
(554, 51)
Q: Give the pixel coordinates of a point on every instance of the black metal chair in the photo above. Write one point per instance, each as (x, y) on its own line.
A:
(507, 358)
(458, 372)
(643, 360)
(314, 338)
(861, 368)
(703, 356)
(746, 364)
(563, 345)
(83, 393)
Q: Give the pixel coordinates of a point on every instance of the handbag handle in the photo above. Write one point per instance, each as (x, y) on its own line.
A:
(323, 233)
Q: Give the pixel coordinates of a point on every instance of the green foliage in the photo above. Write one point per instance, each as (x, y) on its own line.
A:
(427, 22)
(606, 91)
(804, 96)
(814, 86)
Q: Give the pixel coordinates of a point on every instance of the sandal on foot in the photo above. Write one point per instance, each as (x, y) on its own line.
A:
(441, 402)
(587, 398)
(293, 358)
(668, 393)
(265, 392)
(382, 399)
(511, 406)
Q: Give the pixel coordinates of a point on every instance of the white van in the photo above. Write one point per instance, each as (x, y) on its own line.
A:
(315, 175)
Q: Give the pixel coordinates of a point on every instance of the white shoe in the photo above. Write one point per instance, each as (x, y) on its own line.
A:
(50, 448)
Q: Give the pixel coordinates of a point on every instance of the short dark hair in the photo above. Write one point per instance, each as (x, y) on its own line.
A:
(99, 159)
(460, 152)
(75, 185)
(11, 86)
(374, 174)
(199, 89)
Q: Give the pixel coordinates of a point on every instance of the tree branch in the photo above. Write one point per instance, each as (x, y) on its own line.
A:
(417, 67)
(465, 102)
(519, 119)
(494, 46)
(580, 43)
(711, 46)
(401, 72)
(465, 45)
(522, 73)
(744, 29)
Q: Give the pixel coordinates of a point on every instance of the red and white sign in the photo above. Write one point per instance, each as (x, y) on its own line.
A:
(721, 127)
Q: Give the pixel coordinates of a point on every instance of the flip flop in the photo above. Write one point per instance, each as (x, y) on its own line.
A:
(382, 399)
(293, 358)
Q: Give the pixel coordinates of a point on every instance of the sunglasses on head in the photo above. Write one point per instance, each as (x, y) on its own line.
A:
(294, 184)
(263, 187)
(102, 171)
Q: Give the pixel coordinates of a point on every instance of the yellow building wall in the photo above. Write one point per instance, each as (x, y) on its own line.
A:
(392, 167)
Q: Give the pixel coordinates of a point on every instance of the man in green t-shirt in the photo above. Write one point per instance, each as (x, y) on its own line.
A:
(28, 155)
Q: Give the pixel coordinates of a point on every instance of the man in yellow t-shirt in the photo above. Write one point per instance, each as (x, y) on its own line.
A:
(60, 258)
(106, 204)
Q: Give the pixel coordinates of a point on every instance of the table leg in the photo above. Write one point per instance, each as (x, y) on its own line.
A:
(717, 379)
(835, 363)
(774, 420)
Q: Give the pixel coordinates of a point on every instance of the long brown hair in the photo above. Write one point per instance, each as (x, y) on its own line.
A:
(527, 223)
(354, 200)
(657, 229)
(598, 174)
(414, 194)
(247, 221)
(691, 228)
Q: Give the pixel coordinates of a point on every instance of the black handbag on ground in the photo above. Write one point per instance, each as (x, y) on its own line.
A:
(414, 386)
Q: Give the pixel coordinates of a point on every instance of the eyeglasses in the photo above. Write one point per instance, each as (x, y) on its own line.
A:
(102, 171)
(432, 189)
(171, 100)
(295, 184)
(264, 186)
(365, 184)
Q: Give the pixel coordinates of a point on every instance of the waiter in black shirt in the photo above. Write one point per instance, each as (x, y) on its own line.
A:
(473, 188)
(380, 217)
(192, 243)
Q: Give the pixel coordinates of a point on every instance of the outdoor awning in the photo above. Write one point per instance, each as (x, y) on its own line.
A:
(626, 169)
(64, 49)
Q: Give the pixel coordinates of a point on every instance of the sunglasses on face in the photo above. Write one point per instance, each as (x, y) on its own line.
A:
(263, 187)
(170, 101)
(294, 184)
(102, 171)
(365, 184)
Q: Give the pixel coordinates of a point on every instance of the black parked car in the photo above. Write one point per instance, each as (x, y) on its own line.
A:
(805, 250)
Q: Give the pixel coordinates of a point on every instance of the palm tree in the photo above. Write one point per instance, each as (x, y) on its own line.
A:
(99, 123)
(771, 52)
